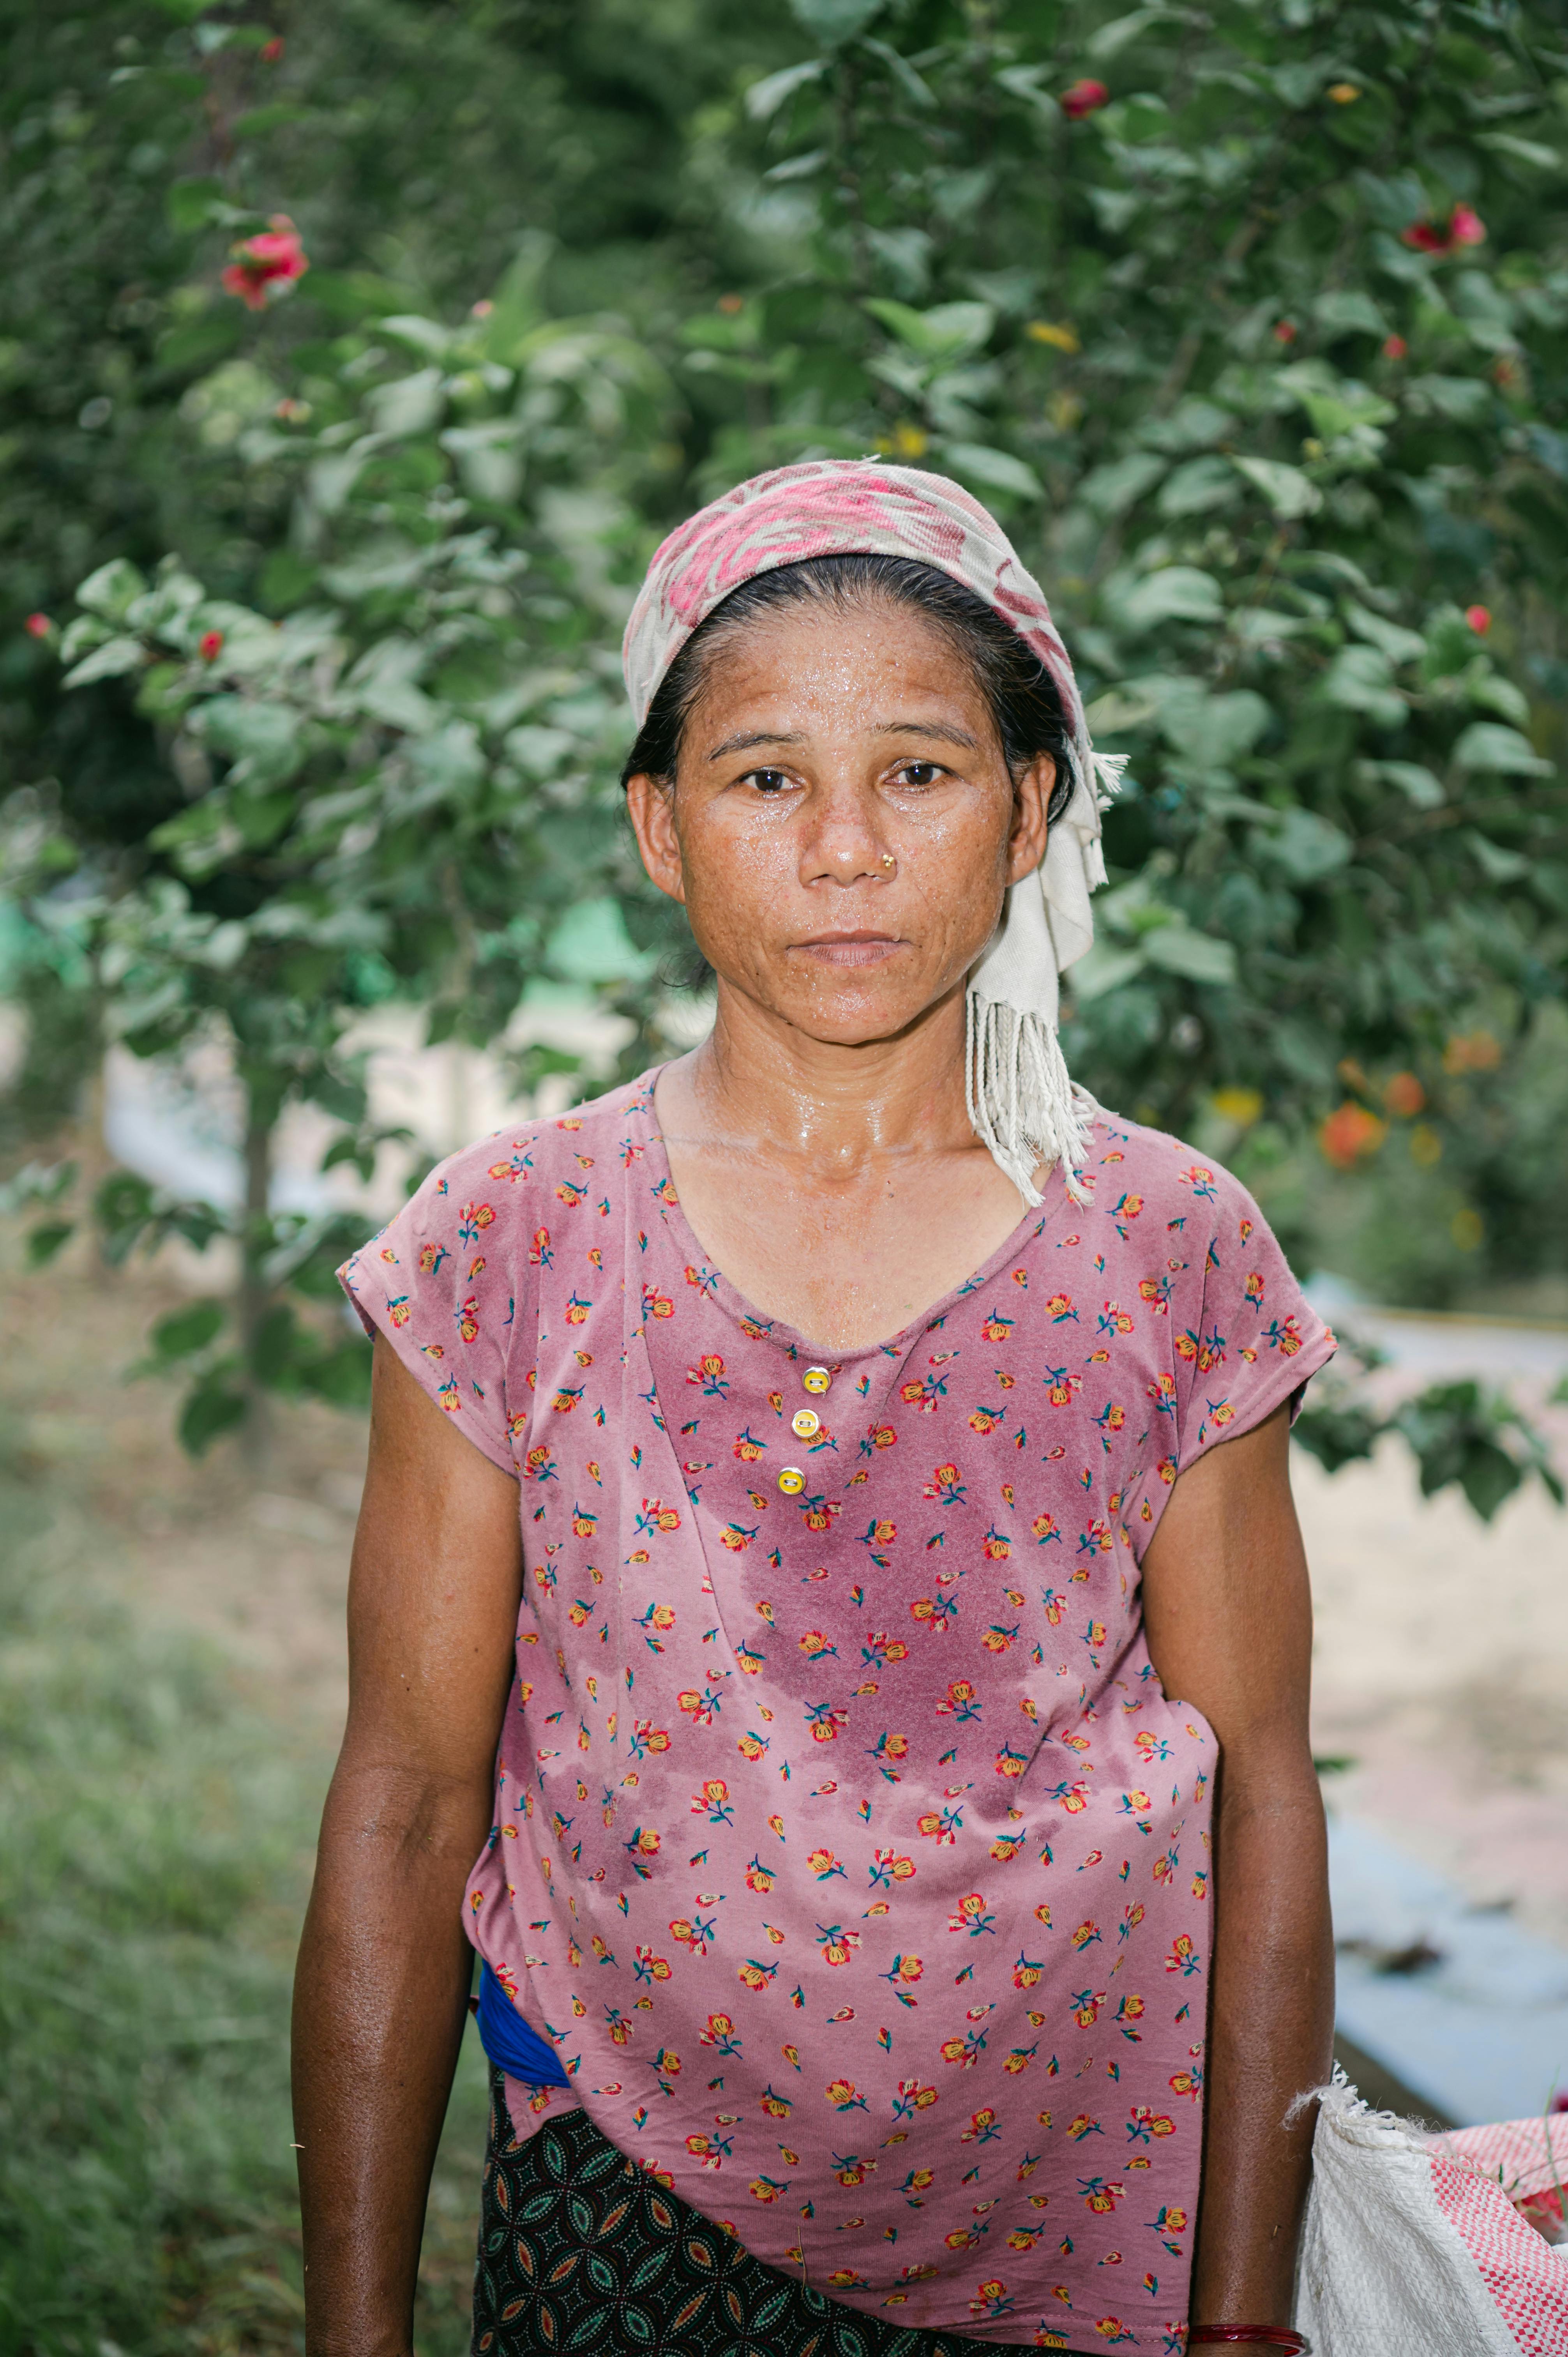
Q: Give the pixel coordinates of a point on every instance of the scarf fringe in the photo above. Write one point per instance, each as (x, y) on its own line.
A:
(1023, 1103)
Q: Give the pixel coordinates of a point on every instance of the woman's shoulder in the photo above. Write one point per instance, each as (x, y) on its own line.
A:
(1133, 1168)
(530, 1158)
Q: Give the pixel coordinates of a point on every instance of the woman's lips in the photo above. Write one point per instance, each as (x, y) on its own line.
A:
(850, 949)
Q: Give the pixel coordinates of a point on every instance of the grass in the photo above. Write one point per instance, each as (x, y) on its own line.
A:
(156, 1825)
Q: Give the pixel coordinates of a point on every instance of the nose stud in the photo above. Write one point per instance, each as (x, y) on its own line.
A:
(888, 860)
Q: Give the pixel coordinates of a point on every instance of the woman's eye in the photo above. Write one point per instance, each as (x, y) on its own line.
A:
(919, 773)
(766, 781)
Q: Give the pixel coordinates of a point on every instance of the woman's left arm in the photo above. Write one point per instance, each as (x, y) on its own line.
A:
(1228, 1610)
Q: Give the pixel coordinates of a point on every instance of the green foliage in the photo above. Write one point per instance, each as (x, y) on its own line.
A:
(150, 1884)
(1262, 360)
(1462, 1435)
(148, 1830)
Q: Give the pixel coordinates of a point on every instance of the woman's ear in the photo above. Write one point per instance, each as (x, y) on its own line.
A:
(1031, 797)
(651, 806)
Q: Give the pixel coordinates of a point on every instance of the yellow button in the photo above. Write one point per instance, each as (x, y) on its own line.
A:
(805, 1424)
(816, 1379)
(791, 1480)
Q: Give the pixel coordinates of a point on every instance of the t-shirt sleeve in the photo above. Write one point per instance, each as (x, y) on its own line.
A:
(438, 1282)
(1256, 1339)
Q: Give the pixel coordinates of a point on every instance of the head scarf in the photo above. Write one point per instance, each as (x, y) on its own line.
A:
(1020, 1100)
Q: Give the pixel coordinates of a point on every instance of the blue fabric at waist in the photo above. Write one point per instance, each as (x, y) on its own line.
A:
(508, 2041)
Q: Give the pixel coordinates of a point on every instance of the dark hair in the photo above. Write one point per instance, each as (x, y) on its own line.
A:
(1024, 705)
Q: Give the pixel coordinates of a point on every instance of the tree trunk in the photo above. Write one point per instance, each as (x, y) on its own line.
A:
(255, 1298)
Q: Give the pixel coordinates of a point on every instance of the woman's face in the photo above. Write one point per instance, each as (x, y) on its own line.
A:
(843, 825)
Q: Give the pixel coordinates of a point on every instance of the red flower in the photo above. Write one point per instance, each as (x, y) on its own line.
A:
(1285, 332)
(211, 645)
(271, 51)
(1082, 98)
(1349, 1133)
(38, 626)
(1394, 348)
(1462, 227)
(274, 255)
(1479, 618)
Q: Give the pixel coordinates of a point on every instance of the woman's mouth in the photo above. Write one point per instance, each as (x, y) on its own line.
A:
(849, 948)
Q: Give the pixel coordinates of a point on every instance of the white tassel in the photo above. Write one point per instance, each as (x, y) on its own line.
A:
(1107, 769)
(1023, 1103)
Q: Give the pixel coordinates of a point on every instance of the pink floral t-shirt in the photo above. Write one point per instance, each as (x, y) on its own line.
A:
(847, 1848)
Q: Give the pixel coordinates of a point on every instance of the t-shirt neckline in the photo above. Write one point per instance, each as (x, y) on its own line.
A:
(794, 1344)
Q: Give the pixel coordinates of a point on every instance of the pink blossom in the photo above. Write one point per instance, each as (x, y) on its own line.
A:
(1479, 618)
(1285, 332)
(1082, 98)
(274, 256)
(271, 51)
(1394, 348)
(1462, 227)
(211, 645)
(38, 626)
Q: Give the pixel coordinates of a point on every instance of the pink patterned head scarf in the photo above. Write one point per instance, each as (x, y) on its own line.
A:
(1020, 1100)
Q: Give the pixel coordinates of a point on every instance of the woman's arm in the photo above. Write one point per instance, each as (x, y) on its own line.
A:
(1229, 1614)
(383, 1973)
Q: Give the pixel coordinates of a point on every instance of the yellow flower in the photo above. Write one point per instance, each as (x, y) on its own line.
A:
(1239, 1105)
(1062, 335)
(1343, 93)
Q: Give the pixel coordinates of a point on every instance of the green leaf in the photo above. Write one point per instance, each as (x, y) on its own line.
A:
(1199, 485)
(1305, 845)
(184, 1332)
(1488, 744)
(1121, 33)
(1288, 491)
(1101, 969)
(949, 332)
(1345, 311)
(994, 471)
(1528, 152)
(1178, 593)
(111, 589)
(836, 21)
(1361, 679)
(903, 73)
(591, 944)
(111, 661)
(265, 742)
(46, 1240)
(1399, 644)
(765, 98)
(1112, 489)
(210, 1409)
(1500, 866)
(1197, 957)
(1213, 731)
(189, 204)
(1465, 400)
(1414, 781)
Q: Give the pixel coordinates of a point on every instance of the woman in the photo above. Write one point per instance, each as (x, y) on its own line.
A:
(828, 1549)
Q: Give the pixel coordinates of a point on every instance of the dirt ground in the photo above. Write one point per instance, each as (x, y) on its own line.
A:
(1442, 1667)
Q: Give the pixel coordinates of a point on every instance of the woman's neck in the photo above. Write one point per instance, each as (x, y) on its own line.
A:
(840, 1190)
(763, 1088)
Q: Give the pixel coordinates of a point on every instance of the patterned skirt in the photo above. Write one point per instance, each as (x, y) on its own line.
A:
(580, 2250)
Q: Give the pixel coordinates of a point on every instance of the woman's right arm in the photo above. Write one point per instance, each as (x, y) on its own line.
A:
(383, 1980)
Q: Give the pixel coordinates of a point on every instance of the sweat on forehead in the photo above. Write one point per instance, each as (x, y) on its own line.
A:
(1020, 700)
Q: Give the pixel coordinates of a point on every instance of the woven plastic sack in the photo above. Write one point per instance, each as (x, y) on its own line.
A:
(1410, 2250)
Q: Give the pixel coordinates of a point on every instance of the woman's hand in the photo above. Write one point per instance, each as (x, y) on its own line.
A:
(1228, 1611)
(384, 1969)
